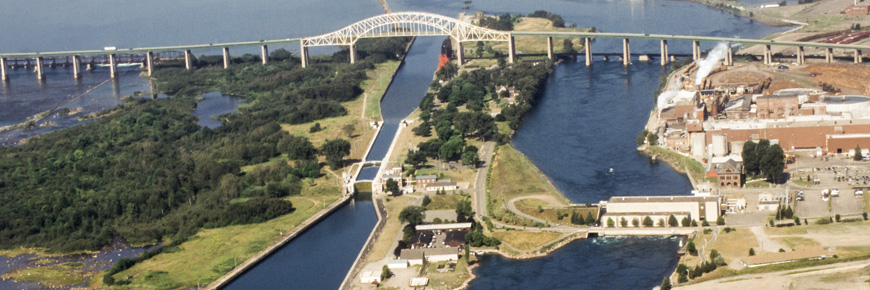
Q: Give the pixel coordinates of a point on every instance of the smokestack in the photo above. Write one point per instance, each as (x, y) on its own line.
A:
(706, 65)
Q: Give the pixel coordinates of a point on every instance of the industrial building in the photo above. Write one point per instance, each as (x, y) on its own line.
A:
(698, 208)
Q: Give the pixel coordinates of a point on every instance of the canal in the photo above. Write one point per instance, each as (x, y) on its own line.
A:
(584, 124)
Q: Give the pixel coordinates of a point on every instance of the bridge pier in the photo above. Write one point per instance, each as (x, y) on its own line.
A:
(768, 57)
(113, 66)
(77, 66)
(550, 47)
(512, 50)
(858, 57)
(149, 62)
(188, 60)
(587, 44)
(626, 52)
(829, 55)
(4, 75)
(303, 53)
(40, 69)
(696, 50)
(800, 55)
(264, 54)
(460, 53)
(352, 50)
(664, 52)
(226, 57)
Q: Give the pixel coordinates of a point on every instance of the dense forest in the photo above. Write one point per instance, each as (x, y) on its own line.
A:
(472, 90)
(147, 170)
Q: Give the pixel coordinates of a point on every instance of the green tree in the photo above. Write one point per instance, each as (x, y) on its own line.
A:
(773, 163)
(720, 220)
(666, 284)
(623, 222)
(426, 200)
(464, 212)
(760, 151)
(686, 222)
(393, 187)
(386, 273)
(568, 46)
(858, 156)
(479, 49)
(610, 223)
(590, 220)
(315, 128)
(652, 138)
(470, 156)
(413, 215)
(335, 150)
(452, 149)
(672, 221)
(415, 158)
(690, 248)
(348, 130)
(750, 164)
(751, 252)
(648, 222)
(635, 222)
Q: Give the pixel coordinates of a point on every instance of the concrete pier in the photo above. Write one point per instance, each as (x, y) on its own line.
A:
(303, 53)
(664, 52)
(829, 55)
(264, 54)
(40, 69)
(550, 47)
(226, 57)
(768, 57)
(4, 75)
(460, 53)
(626, 52)
(800, 56)
(113, 66)
(696, 50)
(512, 50)
(77, 66)
(188, 60)
(587, 44)
(858, 57)
(352, 50)
(149, 62)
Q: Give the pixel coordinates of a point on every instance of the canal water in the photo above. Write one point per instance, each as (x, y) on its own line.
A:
(584, 124)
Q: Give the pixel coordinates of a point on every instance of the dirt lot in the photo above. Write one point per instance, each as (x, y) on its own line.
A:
(844, 276)
(850, 78)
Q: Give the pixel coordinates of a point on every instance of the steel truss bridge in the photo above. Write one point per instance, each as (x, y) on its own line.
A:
(396, 25)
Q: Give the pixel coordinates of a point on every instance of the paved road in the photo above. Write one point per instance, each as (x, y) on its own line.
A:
(479, 201)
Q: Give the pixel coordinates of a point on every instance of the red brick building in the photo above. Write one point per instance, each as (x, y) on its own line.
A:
(857, 10)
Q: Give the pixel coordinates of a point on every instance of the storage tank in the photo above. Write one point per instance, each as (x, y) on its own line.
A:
(720, 145)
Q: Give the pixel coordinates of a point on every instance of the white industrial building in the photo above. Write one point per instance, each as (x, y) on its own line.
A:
(698, 208)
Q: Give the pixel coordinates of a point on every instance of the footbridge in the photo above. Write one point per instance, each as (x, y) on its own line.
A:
(397, 25)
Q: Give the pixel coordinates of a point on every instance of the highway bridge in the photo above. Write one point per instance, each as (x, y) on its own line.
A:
(395, 25)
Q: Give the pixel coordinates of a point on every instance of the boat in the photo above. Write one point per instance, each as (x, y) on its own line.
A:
(465, 7)
(467, 1)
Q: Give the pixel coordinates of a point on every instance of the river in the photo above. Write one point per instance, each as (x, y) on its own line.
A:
(584, 124)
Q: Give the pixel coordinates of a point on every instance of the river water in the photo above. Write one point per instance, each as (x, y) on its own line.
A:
(584, 124)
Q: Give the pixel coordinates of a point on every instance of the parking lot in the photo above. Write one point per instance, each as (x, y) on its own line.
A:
(837, 172)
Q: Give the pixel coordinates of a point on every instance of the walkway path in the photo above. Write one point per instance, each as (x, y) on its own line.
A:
(766, 244)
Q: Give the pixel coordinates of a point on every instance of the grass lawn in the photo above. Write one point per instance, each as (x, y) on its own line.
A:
(363, 133)
(214, 252)
(376, 85)
(444, 202)
(680, 161)
(794, 242)
(525, 240)
(447, 280)
(56, 276)
(385, 240)
(530, 206)
(514, 175)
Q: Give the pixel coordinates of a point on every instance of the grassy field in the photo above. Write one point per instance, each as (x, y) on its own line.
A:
(514, 175)
(56, 276)
(679, 161)
(795, 242)
(376, 85)
(530, 206)
(363, 133)
(214, 252)
(447, 280)
(525, 240)
(444, 202)
(382, 245)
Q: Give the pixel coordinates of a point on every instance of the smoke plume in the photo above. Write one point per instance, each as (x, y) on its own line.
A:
(706, 65)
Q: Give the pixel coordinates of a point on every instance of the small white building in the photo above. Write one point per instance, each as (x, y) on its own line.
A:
(442, 184)
(397, 264)
(369, 277)
(698, 208)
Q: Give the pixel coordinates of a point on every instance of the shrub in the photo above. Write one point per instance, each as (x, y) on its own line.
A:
(751, 252)
(705, 224)
(823, 221)
(837, 217)
(720, 220)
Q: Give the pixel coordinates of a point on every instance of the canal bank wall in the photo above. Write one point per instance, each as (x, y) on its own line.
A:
(299, 229)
